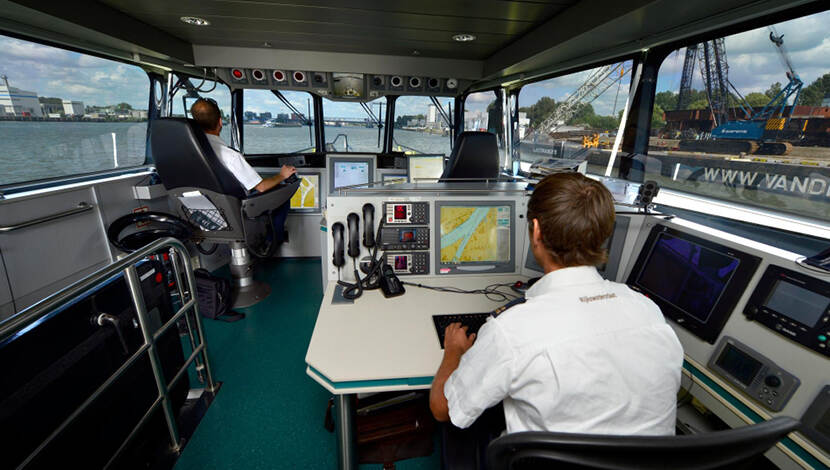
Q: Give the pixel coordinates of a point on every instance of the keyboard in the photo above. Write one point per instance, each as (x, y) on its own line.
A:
(473, 321)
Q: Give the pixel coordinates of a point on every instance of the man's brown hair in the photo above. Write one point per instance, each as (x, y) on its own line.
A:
(576, 216)
(206, 114)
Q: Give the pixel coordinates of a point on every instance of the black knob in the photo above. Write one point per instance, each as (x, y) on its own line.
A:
(772, 381)
(751, 311)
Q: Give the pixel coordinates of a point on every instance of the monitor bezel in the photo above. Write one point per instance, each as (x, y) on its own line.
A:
(723, 308)
(320, 202)
(332, 160)
(409, 160)
(497, 267)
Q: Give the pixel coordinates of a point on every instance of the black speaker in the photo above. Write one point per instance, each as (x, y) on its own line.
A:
(647, 192)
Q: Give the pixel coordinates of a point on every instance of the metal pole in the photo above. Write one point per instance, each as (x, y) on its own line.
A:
(134, 284)
(174, 259)
(344, 425)
(191, 287)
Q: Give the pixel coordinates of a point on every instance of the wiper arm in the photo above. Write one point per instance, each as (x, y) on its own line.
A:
(372, 116)
(303, 118)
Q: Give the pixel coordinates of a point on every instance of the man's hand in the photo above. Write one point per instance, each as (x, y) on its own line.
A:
(286, 171)
(456, 341)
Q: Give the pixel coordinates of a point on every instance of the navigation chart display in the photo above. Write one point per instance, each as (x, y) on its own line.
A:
(308, 194)
(475, 234)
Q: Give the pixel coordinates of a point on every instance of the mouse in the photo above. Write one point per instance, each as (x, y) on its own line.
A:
(520, 287)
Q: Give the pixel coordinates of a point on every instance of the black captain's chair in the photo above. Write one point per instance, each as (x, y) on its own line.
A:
(474, 155)
(730, 449)
(186, 163)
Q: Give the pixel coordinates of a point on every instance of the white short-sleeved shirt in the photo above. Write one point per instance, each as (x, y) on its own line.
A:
(234, 162)
(582, 355)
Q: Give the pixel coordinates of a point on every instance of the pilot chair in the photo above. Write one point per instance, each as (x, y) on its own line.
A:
(228, 213)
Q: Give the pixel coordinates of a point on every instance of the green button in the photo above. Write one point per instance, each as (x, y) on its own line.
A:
(822, 338)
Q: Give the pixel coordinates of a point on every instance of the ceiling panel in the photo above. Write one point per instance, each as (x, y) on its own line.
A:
(363, 26)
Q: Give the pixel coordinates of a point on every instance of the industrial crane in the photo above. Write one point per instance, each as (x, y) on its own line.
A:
(595, 85)
(758, 131)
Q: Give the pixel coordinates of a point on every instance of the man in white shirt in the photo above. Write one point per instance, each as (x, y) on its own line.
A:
(582, 354)
(206, 113)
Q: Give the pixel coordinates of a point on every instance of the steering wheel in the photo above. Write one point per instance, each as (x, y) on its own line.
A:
(159, 225)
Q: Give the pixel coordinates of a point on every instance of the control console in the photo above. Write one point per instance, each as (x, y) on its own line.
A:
(409, 262)
(793, 305)
(415, 213)
(404, 238)
(753, 373)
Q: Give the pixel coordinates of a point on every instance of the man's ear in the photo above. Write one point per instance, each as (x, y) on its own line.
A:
(535, 232)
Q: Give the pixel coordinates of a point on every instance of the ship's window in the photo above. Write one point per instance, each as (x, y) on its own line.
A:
(63, 113)
(574, 116)
(349, 127)
(746, 118)
(269, 125)
(483, 112)
(191, 89)
(420, 127)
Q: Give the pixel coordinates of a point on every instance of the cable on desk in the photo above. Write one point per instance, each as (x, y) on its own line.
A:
(491, 292)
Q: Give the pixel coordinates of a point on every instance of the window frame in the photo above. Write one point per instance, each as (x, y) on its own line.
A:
(42, 184)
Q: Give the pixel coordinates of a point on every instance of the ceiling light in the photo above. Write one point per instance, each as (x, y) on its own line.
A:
(195, 20)
(464, 37)
(266, 44)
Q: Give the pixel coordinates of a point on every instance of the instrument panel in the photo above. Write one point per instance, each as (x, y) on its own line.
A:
(341, 86)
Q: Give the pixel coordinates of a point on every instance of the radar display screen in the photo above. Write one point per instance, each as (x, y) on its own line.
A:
(475, 234)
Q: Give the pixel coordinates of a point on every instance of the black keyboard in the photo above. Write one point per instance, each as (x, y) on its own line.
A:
(472, 321)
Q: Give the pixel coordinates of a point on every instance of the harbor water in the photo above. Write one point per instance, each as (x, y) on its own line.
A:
(37, 150)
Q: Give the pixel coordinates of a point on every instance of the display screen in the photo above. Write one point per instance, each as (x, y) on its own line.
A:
(740, 366)
(400, 212)
(350, 173)
(400, 263)
(407, 235)
(308, 194)
(475, 234)
(689, 276)
(796, 302)
(429, 167)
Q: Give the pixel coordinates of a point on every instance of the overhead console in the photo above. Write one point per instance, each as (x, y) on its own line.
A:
(341, 86)
(695, 282)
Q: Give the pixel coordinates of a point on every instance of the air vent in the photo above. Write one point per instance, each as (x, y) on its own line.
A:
(414, 82)
(452, 84)
(396, 81)
(433, 83)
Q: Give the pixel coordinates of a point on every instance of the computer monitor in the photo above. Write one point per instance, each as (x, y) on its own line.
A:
(393, 178)
(475, 237)
(350, 171)
(307, 197)
(425, 166)
(696, 282)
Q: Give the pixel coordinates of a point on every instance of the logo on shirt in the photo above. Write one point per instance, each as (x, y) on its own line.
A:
(593, 298)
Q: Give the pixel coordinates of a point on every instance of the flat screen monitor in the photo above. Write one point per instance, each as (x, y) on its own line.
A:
(350, 171)
(393, 178)
(429, 167)
(307, 197)
(696, 282)
(475, 237)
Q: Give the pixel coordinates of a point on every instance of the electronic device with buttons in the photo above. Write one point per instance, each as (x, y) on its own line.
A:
(406, 212)
(404, 238)
(404, 263)
(816, 420)
(753, 373)
(793, 305)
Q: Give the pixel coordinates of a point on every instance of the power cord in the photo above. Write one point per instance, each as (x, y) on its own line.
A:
(352, 291)
(492, 291)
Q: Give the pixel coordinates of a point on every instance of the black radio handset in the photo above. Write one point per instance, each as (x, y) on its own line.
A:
(368, 225)
(338, 259)
(354, 234)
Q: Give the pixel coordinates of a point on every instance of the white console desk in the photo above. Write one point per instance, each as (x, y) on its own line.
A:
(377, 344)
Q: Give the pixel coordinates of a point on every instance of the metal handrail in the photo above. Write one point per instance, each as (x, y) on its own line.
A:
(82, 207)
(370, 186)
(181, 262)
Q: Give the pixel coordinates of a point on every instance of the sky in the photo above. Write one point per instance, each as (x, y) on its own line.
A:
(753, 60)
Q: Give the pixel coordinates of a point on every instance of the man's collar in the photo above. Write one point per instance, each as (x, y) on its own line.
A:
(216, 139)
(564, 277)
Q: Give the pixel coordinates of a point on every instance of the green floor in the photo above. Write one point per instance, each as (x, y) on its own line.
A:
(269, 413)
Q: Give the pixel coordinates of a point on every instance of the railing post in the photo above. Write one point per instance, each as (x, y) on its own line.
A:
(174, 259)
(191, 285)
(134, 284)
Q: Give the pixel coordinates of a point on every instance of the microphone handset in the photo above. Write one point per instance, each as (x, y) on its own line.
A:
(376, 276)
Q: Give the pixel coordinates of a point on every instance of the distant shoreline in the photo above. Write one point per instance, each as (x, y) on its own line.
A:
(33, 119)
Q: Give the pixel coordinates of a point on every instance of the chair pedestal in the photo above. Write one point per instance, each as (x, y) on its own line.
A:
(246, 291)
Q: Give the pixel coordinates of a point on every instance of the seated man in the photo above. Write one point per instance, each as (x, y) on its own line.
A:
(582, 354)
(206, 114)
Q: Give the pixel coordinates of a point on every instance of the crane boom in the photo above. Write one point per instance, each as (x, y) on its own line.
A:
(597, 83)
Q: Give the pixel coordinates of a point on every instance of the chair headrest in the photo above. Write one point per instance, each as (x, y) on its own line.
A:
(184, 158)
(474, 155)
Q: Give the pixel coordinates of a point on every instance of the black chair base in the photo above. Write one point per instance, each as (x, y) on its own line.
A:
(250, 294)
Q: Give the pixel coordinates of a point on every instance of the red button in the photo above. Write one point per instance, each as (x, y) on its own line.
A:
(159, 278)
(237, 73)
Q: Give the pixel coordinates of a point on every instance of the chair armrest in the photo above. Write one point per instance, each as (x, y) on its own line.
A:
(254, 206)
